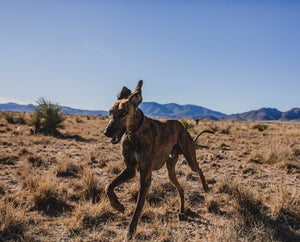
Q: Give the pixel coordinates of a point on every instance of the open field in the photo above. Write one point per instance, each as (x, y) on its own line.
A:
(52, 189)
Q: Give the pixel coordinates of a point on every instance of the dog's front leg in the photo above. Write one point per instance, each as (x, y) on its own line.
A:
(125, 175)
(145, 182)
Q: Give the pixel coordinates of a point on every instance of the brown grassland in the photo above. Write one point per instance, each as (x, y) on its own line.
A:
(52, 188)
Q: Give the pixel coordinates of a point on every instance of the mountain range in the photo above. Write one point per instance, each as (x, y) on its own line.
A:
(29, 108)
(173, 110)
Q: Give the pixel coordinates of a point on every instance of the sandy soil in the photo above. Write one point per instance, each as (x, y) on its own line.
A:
(52, 188)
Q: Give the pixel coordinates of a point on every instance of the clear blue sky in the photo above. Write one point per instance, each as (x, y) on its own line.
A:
(229, 56)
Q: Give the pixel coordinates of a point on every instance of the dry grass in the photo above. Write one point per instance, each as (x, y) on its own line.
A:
(92, 189)
(52, 188)
(13, 221)
(67, 168)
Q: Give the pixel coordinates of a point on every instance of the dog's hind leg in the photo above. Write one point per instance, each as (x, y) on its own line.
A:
(195, 167)
(187, 147)
(128, 173)
(171, 162)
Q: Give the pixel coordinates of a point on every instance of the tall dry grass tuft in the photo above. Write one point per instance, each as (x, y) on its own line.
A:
(13, 221)
(248, 206)
(92, 188)
(67, 168)
(278, 152)
(46, 193)
(251, 223)
(89, 216)
(286, 207)
(258, 222)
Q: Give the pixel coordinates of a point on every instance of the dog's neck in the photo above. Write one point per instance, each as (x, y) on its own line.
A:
(136, 123)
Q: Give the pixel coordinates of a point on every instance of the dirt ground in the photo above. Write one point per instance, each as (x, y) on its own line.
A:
(52, 188)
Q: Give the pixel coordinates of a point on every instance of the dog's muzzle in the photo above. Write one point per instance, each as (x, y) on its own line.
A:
(116, 136)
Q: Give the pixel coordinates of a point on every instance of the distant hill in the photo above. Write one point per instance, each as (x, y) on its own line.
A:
(29, 108)
(69, 110)
(263, 114)
(173, 110)
(14, 107)
(293, 114)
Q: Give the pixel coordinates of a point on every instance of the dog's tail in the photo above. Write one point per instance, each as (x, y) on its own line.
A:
(202, 132)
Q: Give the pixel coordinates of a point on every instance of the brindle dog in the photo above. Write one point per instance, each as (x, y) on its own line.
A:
(147, 144)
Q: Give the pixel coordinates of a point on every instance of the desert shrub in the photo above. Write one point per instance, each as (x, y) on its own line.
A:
(260, 127)
(14, 118)
(79, 120)
(20, 119)
(187, 124)
(9, 117)
(47, 117)
(226, 130)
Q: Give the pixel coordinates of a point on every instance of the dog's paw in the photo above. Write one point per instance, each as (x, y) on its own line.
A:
(119, 207)
(114, 202)
(182, 216)
(130, 234)
(205, 187)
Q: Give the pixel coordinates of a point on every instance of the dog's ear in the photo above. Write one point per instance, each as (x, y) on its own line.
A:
(136, 97)
(125, 93)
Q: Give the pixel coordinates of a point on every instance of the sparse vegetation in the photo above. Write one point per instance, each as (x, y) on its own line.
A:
(92, 189)
(7, 158)
(260, 127)
(66, 168)
(53, 188)
(226, 130)
(34, 160)
(79, 120)
(187, 123)
(47, 117)
(48, 196)
(13, 221)
(15, 118)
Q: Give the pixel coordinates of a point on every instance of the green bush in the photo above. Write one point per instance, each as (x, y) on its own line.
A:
(187, 124)
(47, 117)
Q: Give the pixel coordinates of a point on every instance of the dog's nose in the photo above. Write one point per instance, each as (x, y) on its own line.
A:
(108, 133)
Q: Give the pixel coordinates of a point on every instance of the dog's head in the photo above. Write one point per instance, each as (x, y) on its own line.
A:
(122, 112)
